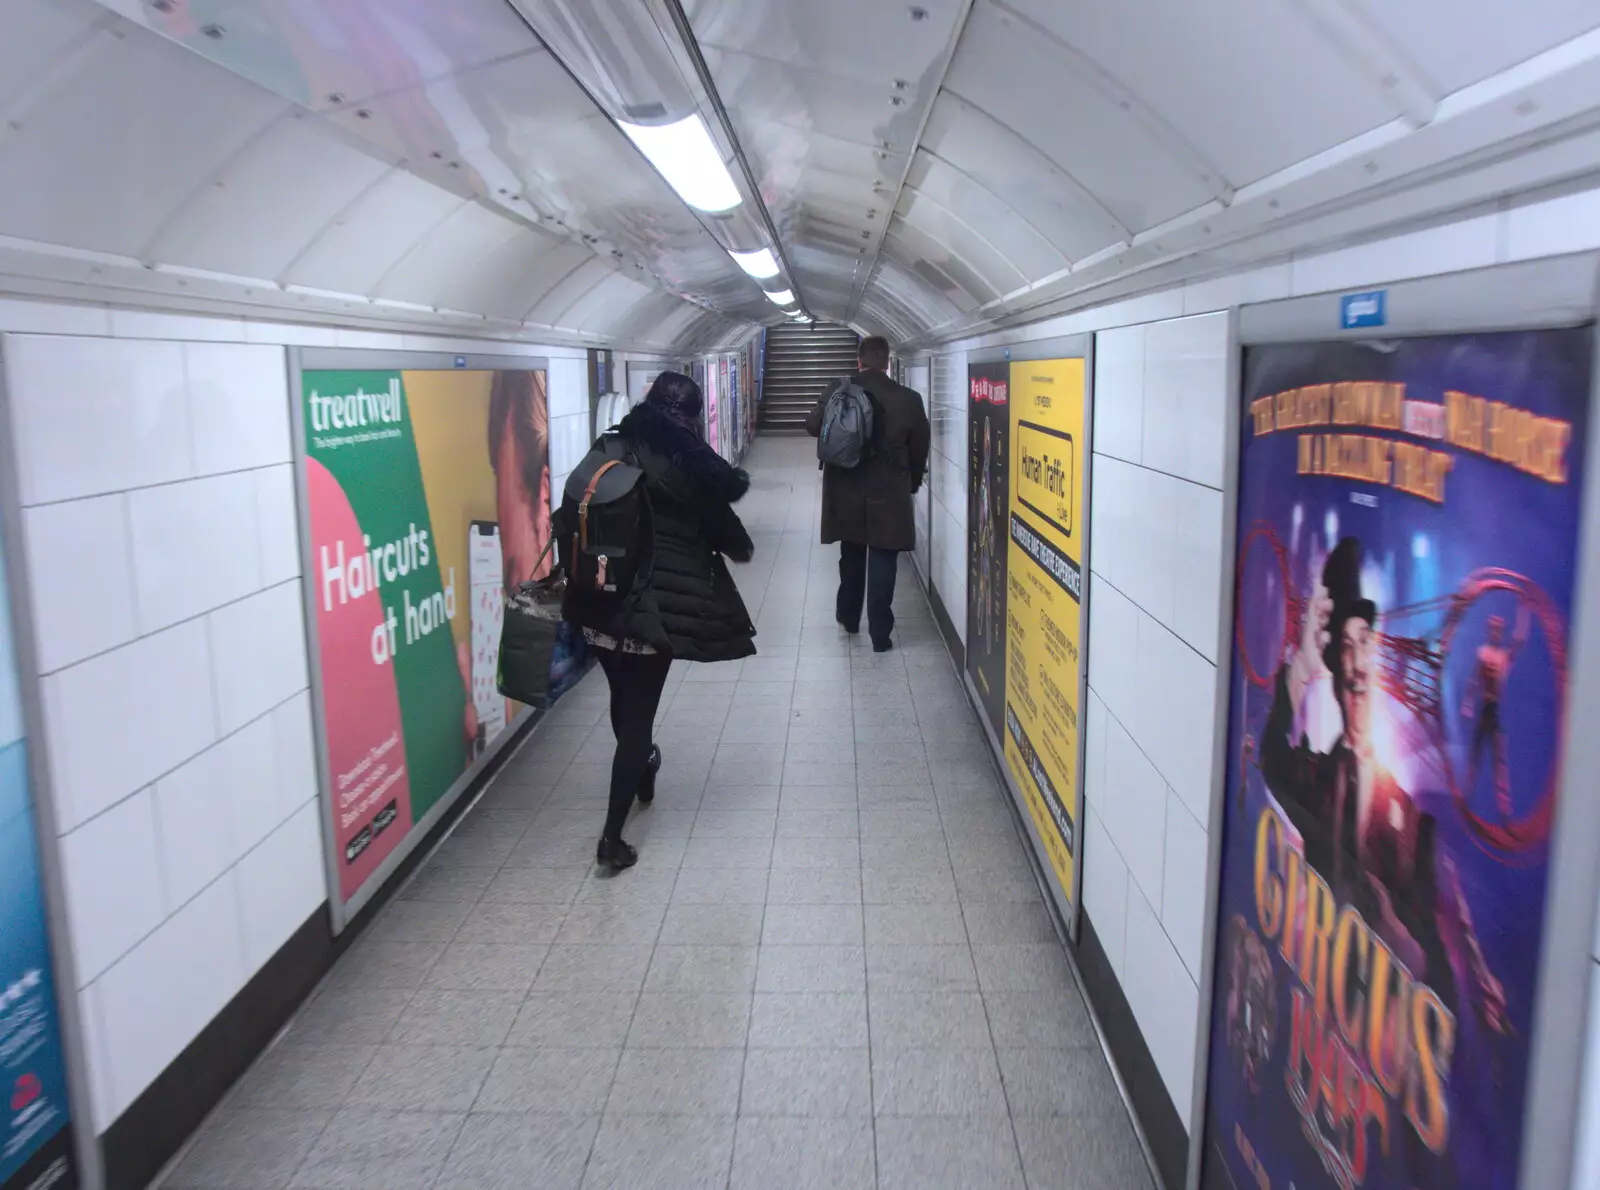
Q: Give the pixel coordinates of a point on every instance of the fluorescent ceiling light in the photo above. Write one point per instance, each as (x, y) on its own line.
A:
(781, 297)
(760, 264)
(687, 158)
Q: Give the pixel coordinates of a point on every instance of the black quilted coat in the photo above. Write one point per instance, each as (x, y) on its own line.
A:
(690, 605)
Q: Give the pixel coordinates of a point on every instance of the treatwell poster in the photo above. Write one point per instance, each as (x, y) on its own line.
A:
(1408, 520)
(415, 481)
(988, 428)
(36, 1145)
(1047, 528)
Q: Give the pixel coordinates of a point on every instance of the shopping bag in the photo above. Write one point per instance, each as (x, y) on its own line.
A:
(541, 655)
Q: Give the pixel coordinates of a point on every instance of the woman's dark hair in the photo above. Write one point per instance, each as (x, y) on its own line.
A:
(676, 395)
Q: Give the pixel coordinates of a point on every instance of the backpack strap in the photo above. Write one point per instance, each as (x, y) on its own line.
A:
(588, 494)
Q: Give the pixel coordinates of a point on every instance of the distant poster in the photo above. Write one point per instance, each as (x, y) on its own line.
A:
(602, 384)
(36, 1144)
(1408, 528)
(988, 428)
(725, 394)
(1047, 526)
(711, 397)
(415, 481)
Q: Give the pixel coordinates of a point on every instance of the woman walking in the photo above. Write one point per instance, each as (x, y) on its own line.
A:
(687, 609)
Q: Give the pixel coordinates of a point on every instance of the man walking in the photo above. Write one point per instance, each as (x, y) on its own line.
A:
(867, 508)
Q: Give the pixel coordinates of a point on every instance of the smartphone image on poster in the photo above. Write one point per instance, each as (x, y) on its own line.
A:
(487, 573)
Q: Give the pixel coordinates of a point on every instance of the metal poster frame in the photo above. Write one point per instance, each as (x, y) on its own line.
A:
(58, 926)
(1553, 293)
(1068, 901)
(314, 359)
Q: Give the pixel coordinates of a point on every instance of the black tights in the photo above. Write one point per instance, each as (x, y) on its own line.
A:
(636, 682)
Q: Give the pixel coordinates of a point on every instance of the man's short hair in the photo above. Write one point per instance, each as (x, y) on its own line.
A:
(874, 353)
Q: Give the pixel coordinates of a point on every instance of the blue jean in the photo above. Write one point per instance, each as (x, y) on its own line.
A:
(867, 574)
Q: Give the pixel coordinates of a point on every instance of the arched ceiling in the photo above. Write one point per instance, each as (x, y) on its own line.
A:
(931, 169)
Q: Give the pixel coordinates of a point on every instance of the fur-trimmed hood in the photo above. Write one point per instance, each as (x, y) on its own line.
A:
(674, 441)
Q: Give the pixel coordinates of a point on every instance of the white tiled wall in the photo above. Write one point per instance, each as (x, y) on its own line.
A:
(1156, 571)
(917, 377)
(947, 468)
(159, 530)
(159, 527)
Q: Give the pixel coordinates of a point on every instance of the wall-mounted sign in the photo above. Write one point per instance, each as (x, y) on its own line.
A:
(1359, 310)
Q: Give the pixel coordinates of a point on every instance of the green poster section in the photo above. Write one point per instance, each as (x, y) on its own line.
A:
(358, 426)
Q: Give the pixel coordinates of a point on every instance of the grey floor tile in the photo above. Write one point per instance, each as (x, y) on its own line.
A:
(837, 773)
(635, 887)
(593, 969)
(712, 925)
(721, 886)
(735, 824)
(812, 925)
(726, 853)
(702, 969)
(595, 1020)
(1023, 967)
(507, 1152)
(549, 1080)
(373, 965)
(249, 1149)
(536, 886)
(451, 885)
(350, 1015)
(937, 1082)
(297, 1074)
(740, 797)
(487, 967)
(892, 797)
(817, 797)
(1056, 1082)
(1012, 882)
(1088, 1153)
(815, 1020)
(430, 1078)
(512, 925)
(362, 1149)
(611, 925)
(920, 969)
(812, 969)
(696, 1020)
(438, 1016)
(817, 854)
(929, 1020)
(947, 1154)
(808, 1082)
(554, 851)
(693, 1082)
(1023, 1019)
(905, 886)
(936, 923)
(819, 824)
(419, 921)
(661, 1153)
(777, 1153)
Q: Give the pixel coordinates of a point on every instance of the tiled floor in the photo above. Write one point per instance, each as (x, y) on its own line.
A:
(831, 967)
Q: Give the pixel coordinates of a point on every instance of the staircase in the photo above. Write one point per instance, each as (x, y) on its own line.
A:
(801, 360)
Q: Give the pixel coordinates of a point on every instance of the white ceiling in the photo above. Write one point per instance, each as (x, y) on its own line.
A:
(931, 168)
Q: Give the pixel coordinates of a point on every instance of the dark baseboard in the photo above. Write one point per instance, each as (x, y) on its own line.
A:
(1163, 1127)
(947, 628)
(146, 1136)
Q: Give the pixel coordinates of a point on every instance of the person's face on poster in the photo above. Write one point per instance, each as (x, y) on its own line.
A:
(1355, 688)
(522, 479)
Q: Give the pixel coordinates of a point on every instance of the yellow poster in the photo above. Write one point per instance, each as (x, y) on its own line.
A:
(1048, 528)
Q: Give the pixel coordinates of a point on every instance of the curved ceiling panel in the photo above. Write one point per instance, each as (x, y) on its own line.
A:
(976, 206)
(1253, 85)
(964, 241)
(362, 243)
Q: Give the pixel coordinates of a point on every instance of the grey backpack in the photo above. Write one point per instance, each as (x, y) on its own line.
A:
(846, 436)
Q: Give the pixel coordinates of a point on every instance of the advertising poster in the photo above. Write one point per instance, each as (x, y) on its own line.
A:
(1047, 527)
(36, 1148)
(711, 394)
(735, 407)
(725, 394)
(1408, 524)
(415, 481)
(602, 384)
(988, 428)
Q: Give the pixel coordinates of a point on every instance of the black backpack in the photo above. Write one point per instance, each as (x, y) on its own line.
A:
(845, 438)
(603, 527)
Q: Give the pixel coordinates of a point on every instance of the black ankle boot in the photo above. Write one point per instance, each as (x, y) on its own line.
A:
(647, 787)
(615, 854)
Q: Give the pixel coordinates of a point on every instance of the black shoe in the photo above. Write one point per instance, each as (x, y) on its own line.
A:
(647, 787)
(849, 629)
(882, 646)
(615, 854)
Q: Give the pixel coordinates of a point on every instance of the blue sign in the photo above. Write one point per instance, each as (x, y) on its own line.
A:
(35, 1132)
(1357, 310)
(461, 361)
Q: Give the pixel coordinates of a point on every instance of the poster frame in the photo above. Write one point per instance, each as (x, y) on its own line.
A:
(1066, 902)
(90, 1168)
(1548, 294)
(316, 359)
